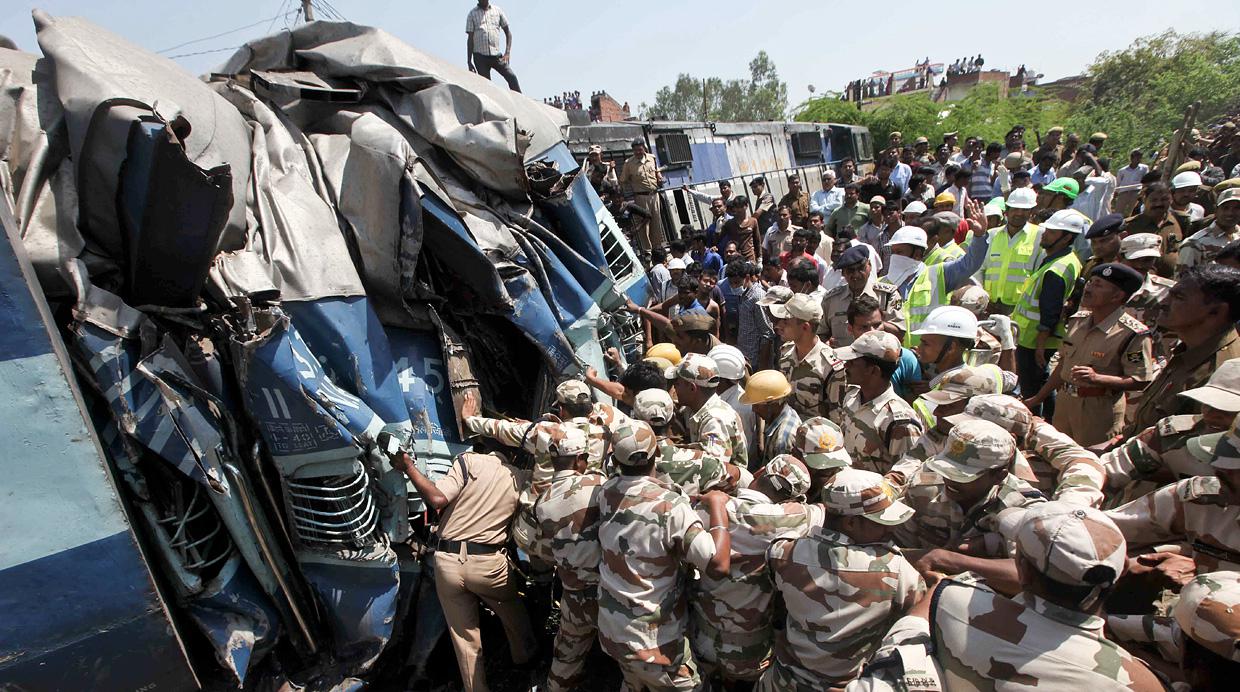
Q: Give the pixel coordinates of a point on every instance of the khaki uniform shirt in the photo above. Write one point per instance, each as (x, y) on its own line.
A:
(1190, 511)
(482, 492)
(1202, 246)
(834, 324)
(817, 380)
(879, 432)
(1188, 368)
(1119, 346)
(640, 174)
(798, 204)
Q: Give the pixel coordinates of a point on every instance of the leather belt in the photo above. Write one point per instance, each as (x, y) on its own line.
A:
(447, 546)
(1086, 392)
(639, 194)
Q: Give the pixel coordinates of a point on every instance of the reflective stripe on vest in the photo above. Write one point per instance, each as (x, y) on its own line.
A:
(1026, 316)
(942, 254)
(1010, 263)
(927, 293)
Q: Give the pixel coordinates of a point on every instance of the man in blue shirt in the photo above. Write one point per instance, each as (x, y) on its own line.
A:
(701, 252)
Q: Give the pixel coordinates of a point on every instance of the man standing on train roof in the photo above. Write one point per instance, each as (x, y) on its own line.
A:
(483, 27)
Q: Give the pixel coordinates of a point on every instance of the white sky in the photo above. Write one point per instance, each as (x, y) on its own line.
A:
(633, 47)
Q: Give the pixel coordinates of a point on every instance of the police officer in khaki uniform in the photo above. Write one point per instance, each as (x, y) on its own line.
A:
(1105, 353)
(641, 177)
(476, 501)
(859, 279)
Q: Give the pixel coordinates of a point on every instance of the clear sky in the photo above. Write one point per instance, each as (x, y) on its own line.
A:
(632, 47)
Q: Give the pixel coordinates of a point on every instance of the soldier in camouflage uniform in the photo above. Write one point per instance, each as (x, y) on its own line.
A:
(1173, 449)
(820, 445)
(709, 421)
(843, 586)
(1049, 636)
(731, 621)
(1202, 512)
(693, 471)
(879, 427)
(648, 534)
(567, 516)
(959, 494)
(950, 393)
(816, 375)
(1209, 616)
(1141, 251)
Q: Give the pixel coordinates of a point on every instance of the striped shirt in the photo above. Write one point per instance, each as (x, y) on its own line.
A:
(486, 26)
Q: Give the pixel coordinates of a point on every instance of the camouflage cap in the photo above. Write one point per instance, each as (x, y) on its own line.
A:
(962, 383)
(1067, 543)
(698, 369)
(856, 492)
(877, 344)
(1208, 612)
(562, 440)
(1227, 451)
(1140, 245)
(1003, 410)
(973, 448)
(776, 295)
(1204, 447)
(802, 306)
(973, 298)
(634, 443)
(789, 474)
(654, 406)
(1222, 390)
(822, 444)
(572, 392)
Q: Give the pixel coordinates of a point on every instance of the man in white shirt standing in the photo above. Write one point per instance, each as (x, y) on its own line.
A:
(1128, 183)
(483, 28)
(830, 197)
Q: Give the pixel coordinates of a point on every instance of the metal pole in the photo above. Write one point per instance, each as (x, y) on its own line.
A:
(307, 10)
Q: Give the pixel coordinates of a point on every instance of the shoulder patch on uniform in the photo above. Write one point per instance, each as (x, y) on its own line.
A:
(1133, 323)
(1174, 425)
(1161, 280)
(1201, 490)
(884, 286)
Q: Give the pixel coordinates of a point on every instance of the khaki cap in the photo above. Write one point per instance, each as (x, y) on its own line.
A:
(855, 492)
(822, 444)
(973, 448)
(698, 369)
(1227, 451)
(877, 344)
(789, 474)
(921, 140)
(694, 321)
(776, 295)
(562, 440)
(1098, 135)
(1140, 245)
(1222, 390)
(1068, 543)
(572, 392)
(1208, 612)
(654, 406)
(963, 383)
(1002, 410)
(801, 306)
(634, 443)
(1053, 130)
(1231, 194)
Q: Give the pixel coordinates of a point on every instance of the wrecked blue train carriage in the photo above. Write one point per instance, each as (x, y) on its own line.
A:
(220, 293)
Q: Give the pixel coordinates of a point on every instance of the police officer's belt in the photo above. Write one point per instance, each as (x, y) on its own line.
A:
(1086, 392)
(446, 546)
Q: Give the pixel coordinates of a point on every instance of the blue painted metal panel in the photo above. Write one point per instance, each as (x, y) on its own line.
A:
(360, 602)
(576, 214)
(424, 383)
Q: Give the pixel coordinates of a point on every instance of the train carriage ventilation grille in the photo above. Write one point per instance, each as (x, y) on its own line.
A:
(807, 145)
(674, 150)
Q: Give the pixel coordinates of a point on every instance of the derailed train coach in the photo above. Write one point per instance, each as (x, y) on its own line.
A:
(216, 294)
(701, 155)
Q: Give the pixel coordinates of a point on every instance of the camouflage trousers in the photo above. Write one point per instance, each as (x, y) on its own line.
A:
(680, 675)
(578, 629)
(781, 677)
(730, 655)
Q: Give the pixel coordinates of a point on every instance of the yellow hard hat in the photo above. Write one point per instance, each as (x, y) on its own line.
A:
(944, 198)
(665, 350)
(764, 386)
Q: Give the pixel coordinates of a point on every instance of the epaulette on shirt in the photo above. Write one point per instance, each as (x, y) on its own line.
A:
(1176, 425)
(1162, 280)
(838, 289)
(1133, 323)
(1201, 490)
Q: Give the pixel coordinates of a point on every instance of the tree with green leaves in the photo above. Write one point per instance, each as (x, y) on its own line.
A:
(763, 96)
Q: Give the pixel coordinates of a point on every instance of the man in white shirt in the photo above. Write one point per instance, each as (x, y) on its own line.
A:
(829, 198)
(1097, 189)
(1128, 183)
(483, 28)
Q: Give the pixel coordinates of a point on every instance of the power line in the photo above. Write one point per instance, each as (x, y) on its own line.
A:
(202, 52)
(225, 33)
(284, 14)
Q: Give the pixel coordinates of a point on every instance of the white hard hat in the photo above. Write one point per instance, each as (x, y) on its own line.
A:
(1186, 179)
(1022, 198)
(1069, 220)
(908, 235)
(950, 320)
(729, 362)
(915, 207)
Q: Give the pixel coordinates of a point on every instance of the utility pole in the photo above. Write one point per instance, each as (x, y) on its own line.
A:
(307, 10)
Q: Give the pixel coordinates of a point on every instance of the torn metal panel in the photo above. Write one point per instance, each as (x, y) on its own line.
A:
(93, 67)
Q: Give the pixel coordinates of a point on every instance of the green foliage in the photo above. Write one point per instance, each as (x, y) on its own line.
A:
(760, 97)
(1137, 96)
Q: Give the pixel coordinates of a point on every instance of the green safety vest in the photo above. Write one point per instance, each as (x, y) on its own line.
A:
(1026, 316)
(1011, 261)
(929, 291)
(941, 254)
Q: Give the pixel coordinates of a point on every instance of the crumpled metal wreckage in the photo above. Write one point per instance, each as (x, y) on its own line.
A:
(252, 275)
